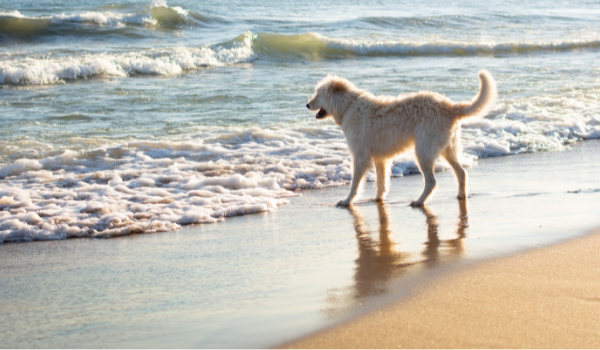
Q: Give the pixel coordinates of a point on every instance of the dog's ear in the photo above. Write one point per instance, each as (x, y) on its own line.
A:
(337, 86)
(336, 90)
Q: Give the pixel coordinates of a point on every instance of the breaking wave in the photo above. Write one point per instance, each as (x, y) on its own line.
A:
(158, 15)
(57, 68)
(314, 45)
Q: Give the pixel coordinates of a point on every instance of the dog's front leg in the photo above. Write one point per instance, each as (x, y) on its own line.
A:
(382, 169)
(360, 163)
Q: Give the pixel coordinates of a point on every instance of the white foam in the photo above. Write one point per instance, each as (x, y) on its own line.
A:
(542, 123)
(159, 185)
(421, 47)
(13, 13)
(19, 167)
(112, 19)
(53, 70)
(104, 18)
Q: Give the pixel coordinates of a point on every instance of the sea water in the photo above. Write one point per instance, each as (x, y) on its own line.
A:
(121, 117)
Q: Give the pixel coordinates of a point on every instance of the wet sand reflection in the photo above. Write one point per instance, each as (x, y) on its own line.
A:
(380, 260)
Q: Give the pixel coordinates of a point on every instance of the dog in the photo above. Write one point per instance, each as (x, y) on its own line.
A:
(378, 128)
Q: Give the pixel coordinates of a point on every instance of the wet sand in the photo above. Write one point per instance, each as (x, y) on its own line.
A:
(262, 280)
(546, 298)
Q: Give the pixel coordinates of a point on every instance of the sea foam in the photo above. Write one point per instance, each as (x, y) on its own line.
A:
(149, 186)
(424, 48)
(170, 61)
(156, 15)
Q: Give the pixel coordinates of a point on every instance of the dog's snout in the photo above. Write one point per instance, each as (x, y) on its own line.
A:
(308, 105)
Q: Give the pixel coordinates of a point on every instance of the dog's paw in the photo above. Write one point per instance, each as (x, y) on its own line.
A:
(416, 204)
(345, 203)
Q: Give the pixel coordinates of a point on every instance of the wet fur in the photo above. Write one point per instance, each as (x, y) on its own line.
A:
(378, 128)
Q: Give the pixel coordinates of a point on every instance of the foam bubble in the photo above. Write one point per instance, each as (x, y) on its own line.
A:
(19, 167)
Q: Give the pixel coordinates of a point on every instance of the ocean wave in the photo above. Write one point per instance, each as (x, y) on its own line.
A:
(176, 16)
(412, 22)
(158, 15)
(13, 24)
(159, 185)
(57, 69)
(243, 49)
(314, 46)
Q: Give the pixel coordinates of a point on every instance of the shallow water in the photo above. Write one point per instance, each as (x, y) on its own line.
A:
(260, 280)
(120, 117)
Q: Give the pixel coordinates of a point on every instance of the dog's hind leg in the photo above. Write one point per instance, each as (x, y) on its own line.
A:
(383, 178)
(360, 164)
(426, 156)
(451, 155)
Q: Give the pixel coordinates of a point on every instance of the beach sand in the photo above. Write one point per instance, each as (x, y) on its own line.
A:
(266, 279)
(546, 298)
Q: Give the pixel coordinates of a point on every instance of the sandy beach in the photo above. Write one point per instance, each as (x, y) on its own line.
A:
(546, 298)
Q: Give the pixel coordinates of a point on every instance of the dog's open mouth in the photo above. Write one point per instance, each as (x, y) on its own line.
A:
(321, 114)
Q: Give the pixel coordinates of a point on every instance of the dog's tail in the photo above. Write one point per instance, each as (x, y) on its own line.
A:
(483, 102)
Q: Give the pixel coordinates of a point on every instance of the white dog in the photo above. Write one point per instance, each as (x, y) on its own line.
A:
(377, 128)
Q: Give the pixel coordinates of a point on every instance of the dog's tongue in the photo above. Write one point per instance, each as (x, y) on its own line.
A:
(320, 113)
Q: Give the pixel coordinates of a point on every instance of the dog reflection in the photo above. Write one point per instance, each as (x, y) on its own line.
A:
(376, 260)
(379, 261)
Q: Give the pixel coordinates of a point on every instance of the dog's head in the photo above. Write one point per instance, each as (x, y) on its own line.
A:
(328, 97)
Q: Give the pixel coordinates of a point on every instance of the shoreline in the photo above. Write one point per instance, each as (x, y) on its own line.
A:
(262, 280)
(546, 297)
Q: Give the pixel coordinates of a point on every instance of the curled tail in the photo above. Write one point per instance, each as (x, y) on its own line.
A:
(483, 102)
